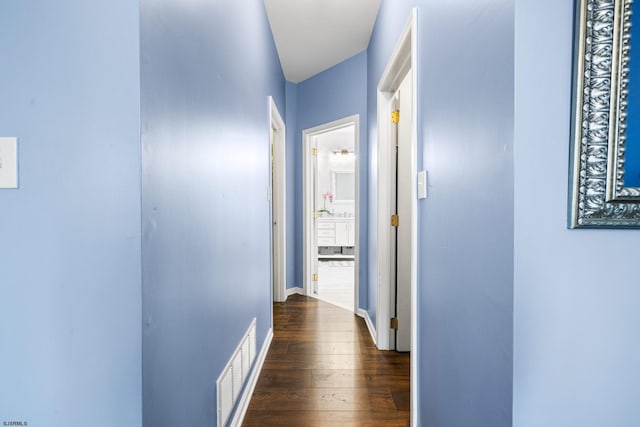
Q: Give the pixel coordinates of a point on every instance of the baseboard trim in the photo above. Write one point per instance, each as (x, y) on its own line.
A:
(294, 291)
(245, 399)
(367, 320)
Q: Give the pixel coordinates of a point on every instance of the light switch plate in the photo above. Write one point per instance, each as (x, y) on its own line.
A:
(8, 162)
(422, 185)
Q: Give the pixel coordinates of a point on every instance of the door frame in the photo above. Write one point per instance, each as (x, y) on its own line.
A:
(402, 60)
(278, 209)
(307, 209)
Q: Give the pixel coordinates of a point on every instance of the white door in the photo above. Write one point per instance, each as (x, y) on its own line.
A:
(401, 201)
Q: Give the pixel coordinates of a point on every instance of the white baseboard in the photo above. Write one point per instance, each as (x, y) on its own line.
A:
(245, 399)
(372, 330)
(296, 290)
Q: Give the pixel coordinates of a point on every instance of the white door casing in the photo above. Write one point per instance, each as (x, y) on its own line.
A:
(397, 175)
(277, 193)
(313, 289)
(402, 60)
(402, 252)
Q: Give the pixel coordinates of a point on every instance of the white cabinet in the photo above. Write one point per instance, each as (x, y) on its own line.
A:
(336, 232)
(345, 233)
(326, 233)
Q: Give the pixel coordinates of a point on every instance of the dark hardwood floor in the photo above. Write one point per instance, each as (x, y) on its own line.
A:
(323, 370)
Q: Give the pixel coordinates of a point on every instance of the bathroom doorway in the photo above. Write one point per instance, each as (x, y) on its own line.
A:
(331, 213)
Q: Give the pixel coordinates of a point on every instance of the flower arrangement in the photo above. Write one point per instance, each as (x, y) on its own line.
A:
(325, 196)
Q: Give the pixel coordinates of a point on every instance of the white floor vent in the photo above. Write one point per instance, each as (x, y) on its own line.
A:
(235, 374)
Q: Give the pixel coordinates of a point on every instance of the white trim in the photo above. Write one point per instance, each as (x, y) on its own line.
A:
(404, 57)
(295, 291)
(413, 382)
(367, 320)
(279, 257)
(383, 212)
(245, 399)
(307, 208)
(357, 201)
(402, 60)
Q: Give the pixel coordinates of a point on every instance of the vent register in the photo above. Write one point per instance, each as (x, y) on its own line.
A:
(235, 374)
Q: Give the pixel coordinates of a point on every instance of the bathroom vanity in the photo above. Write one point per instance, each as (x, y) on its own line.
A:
(336, 237)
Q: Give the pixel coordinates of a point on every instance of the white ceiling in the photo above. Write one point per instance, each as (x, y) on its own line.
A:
(313, 35)
(337, 140)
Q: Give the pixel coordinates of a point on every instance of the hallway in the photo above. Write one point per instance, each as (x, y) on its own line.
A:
(323, 369)
(137, 214)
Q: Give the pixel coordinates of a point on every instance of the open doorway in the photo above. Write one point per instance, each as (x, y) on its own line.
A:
(331, 212)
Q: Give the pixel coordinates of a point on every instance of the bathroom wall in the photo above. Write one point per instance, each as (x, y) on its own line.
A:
(330, 162)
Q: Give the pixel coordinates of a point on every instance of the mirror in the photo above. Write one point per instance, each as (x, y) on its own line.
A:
(343, 185)
(632, 154)
(605, 155)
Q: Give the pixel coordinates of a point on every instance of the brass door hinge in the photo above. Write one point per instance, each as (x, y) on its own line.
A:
(314, 152)
(314, 277)
(395, 220)
(315, 214)
(394, 323)
(395, 116)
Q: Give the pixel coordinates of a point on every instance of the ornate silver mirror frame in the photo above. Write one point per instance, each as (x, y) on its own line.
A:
(598, 197)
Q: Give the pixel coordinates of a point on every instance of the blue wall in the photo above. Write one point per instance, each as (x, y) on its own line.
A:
(207, 70)
(294, 186)
(70, 253)
(336, 93)
(465, 227)
(576, 317)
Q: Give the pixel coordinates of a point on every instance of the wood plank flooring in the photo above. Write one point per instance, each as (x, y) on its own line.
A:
(323, 370)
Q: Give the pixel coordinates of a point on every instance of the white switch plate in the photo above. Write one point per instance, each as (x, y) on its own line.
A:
(8, 162)
(422, 185)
